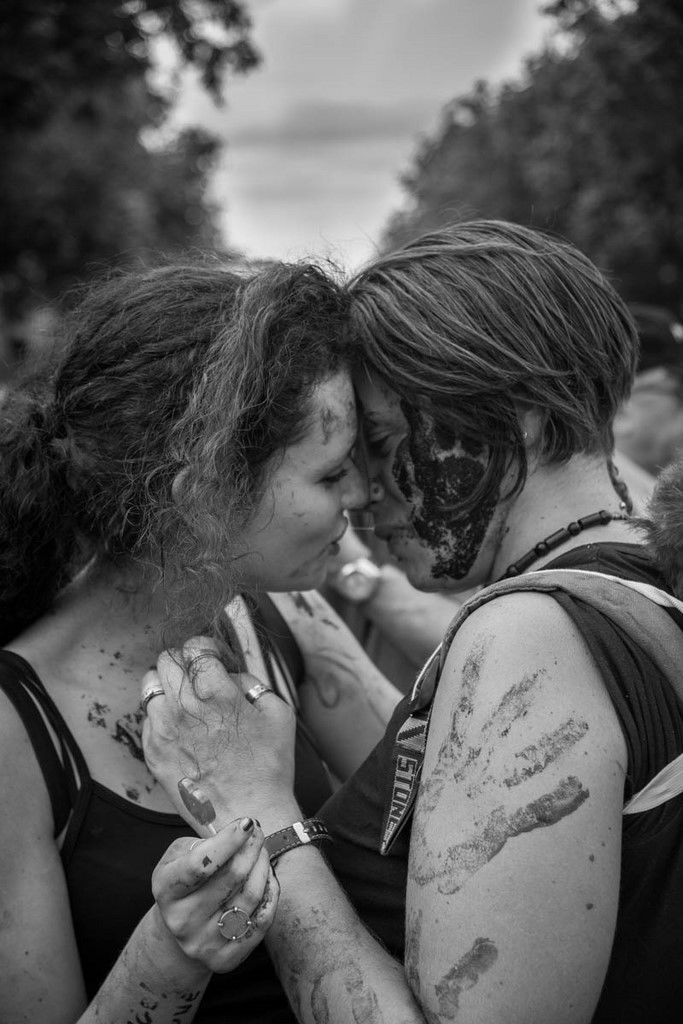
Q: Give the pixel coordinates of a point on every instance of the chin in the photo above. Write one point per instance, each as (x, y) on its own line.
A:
(303, 581)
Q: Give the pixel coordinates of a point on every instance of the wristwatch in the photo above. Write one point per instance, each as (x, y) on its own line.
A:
(357, 581)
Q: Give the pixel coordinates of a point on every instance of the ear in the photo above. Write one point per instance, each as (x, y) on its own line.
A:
(531, 426)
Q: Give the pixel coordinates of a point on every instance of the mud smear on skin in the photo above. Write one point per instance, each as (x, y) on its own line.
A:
(332, 422)
(436, 472)
(465, 975)
(468, 765)
(302, 604)
(96, 714)
(450, 751)
(412, 950)
(128, 732)
(463, 860)
(538, 756)
(513, 706)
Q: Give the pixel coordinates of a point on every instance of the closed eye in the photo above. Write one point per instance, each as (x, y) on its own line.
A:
(379, 446)
(334, 478)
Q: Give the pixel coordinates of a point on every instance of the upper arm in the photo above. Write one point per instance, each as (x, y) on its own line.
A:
(515, 850)
(41, 978)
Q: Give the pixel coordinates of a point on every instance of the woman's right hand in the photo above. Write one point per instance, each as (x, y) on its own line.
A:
(200, 727)
(208, 890)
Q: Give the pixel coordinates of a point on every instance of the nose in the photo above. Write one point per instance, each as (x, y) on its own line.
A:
(356, 492)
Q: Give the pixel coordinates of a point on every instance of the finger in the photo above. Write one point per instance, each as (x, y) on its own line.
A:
(263, 911)
(150, 688)
(254, 691)
(222, 940)
(171, 670)
(202, 667)
(192, 865)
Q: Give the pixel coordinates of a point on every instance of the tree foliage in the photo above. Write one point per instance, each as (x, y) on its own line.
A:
(588, 143)
(81, 187)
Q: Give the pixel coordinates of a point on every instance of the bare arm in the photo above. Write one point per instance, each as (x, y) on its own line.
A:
(345, 700)
(515, 850)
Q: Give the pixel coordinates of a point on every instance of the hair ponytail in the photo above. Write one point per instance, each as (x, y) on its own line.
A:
(37, 535)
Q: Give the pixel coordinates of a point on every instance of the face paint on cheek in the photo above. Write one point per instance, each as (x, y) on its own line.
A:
(446, 472)
(403, 474)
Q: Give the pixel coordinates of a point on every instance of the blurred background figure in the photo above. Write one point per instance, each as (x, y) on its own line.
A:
(648, 429)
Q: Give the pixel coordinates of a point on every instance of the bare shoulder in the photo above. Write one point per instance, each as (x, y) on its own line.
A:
(524, 631)
(42, 975)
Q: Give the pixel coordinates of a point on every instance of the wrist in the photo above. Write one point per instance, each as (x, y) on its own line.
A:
(161, 956)
(279, 816)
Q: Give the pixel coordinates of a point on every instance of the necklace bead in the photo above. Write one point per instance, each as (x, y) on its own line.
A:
(573, 529)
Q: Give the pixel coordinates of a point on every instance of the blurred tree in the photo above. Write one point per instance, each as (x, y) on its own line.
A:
(588, 144)
(81, 185)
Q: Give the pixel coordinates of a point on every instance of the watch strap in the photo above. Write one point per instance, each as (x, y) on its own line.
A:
(299, 833)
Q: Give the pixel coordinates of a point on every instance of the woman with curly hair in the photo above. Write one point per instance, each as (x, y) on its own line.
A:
(504, 854)
(193, 443)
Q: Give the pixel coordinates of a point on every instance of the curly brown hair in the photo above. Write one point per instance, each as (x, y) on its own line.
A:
(485, 318)
(148, 443)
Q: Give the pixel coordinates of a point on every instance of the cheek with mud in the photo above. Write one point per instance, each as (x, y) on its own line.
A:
(436, 473)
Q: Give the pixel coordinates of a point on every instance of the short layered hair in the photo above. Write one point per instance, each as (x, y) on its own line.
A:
(482, 320)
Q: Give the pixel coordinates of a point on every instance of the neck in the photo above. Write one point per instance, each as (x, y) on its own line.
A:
(552, 497)
(103, 613)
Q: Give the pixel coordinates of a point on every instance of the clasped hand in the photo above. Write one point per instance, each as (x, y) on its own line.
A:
(203, 728)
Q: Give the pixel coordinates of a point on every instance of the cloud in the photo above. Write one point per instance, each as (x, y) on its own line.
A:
(329, 120)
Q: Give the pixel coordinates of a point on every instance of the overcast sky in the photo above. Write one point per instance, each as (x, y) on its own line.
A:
(318, 134)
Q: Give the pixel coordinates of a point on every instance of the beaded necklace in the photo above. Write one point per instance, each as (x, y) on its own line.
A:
(601, 518)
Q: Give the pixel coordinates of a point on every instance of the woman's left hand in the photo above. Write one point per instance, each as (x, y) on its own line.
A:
(200, 726)
(217, 896)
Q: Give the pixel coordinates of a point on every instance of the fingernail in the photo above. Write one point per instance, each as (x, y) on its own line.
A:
(246, 824)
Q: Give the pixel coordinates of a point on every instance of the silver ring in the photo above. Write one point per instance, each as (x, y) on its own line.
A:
(254, 692)
(155, 691)
(222, 924)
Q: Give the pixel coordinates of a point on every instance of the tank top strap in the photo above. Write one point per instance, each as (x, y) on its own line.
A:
(58, 755)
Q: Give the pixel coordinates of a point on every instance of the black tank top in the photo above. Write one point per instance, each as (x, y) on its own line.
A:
(111, 846)
(644, 980)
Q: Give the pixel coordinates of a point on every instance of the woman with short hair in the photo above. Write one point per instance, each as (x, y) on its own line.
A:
(482, 866)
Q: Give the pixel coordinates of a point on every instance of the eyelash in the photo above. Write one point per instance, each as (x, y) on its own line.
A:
(380, 446)
(329, 481)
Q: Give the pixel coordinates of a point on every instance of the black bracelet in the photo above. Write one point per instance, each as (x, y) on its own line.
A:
(300, 833)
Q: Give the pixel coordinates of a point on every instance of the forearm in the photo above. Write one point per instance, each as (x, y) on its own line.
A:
(329, 965)
(345, 700)
(152, 982)
(412, 620)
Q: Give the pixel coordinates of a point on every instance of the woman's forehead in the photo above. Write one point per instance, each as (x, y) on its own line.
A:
(332, 412)
(375, 396)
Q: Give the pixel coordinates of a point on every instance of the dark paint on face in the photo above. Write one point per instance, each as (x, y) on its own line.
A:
(435, 472)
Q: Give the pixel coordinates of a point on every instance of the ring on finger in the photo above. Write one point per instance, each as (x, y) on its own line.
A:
(228, 927)
(148, 695)
(254, 692)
